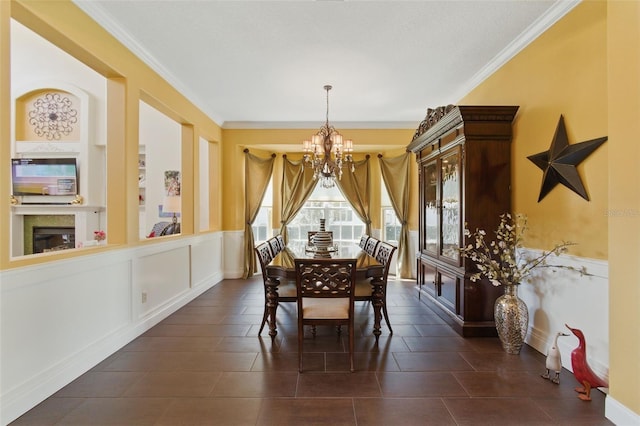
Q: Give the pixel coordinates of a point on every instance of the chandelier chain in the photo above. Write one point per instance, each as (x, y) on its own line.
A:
(327, 88)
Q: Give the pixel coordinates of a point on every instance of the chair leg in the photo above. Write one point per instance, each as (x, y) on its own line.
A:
(264, 320)
(386, 317)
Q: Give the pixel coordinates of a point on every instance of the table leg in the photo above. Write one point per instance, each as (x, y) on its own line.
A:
(272, 305)
(377, 298)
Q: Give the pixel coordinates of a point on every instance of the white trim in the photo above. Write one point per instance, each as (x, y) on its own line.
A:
(315, 124)
(618, 413)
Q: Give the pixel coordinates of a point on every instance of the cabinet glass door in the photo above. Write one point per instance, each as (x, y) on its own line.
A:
(450, 212)
(431, 207)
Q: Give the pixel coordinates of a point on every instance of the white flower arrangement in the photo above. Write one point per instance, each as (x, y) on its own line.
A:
(502, 260)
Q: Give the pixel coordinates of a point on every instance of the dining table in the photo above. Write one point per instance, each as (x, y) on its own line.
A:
(282, 268)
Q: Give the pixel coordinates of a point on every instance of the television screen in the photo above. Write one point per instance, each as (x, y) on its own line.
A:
(44, 176)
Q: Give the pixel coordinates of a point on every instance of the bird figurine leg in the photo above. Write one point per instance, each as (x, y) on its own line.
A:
(585, 392)
(553, 361)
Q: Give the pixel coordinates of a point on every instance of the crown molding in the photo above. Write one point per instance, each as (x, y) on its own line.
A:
(409, 125)
(535, 30)
(106, 21)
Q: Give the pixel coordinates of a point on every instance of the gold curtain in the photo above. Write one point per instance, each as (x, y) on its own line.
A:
(396, 177)
(257, 173)
(297, 186)
(356, 188)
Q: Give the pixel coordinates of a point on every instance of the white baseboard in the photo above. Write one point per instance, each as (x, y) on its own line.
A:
(619, 414)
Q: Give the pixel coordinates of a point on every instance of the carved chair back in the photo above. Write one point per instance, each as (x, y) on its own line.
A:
(326, 294)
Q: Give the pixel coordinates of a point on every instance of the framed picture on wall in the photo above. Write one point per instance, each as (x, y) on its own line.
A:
(172, 182)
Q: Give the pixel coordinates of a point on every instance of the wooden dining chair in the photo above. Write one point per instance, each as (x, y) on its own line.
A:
(286, 288)
(325, 297)
(276, 245)
(363, 241)
(364, 290)
(370, 246)
(384, 254)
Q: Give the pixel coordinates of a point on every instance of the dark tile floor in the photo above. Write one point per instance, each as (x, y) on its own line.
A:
(205, 365)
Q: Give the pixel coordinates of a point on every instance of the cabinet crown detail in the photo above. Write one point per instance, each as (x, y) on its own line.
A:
(444, 118)
(432, 117)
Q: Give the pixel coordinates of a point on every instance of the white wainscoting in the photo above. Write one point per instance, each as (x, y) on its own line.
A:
(60, 319)
(556, 297)
(233, 254)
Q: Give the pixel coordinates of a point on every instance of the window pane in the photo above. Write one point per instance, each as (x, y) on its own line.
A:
(330, 204)
(390, 223)
(262, 225)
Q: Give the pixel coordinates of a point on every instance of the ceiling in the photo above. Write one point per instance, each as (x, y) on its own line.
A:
(264, 63)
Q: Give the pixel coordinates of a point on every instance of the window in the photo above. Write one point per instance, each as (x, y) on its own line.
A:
(390, 223)
(330, 204)
(262, 230)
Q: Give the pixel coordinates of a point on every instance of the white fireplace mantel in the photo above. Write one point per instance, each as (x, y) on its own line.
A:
(87, 220)
(54, 209)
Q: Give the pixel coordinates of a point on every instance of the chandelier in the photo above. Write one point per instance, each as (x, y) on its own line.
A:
(326, 152)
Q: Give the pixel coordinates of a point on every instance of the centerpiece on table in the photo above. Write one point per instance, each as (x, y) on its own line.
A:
(322, 240)
(503, 262)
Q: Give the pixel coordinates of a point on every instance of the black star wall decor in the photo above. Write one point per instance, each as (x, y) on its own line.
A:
(560, 161)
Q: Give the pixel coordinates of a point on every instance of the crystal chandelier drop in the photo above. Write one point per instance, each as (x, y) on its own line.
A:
(326, 152)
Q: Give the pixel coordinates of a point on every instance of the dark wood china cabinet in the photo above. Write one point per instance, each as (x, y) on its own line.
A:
(464, 166)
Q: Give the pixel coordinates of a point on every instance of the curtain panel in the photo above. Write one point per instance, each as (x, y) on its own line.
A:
(396, 177)
(356, 188)
(257, 174)
(297, 186)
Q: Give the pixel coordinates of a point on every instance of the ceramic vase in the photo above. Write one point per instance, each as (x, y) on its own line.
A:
(322, 239)
(512, 319)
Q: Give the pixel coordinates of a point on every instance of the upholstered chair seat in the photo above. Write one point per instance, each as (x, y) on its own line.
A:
(326, 308)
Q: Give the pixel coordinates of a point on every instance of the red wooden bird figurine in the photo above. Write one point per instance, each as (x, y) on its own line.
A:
(581, 370)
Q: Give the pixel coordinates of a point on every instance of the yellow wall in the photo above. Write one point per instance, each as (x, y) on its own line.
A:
(561, 72)
(623, 42)
(587, 68)
(389, 142)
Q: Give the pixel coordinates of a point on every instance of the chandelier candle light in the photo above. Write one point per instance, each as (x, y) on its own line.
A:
(326, 152)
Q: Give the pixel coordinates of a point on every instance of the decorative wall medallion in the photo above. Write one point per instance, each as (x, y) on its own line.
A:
(560, 161)
(53, 116)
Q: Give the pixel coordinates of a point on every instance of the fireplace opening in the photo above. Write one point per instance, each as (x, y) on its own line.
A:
(51, 238)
